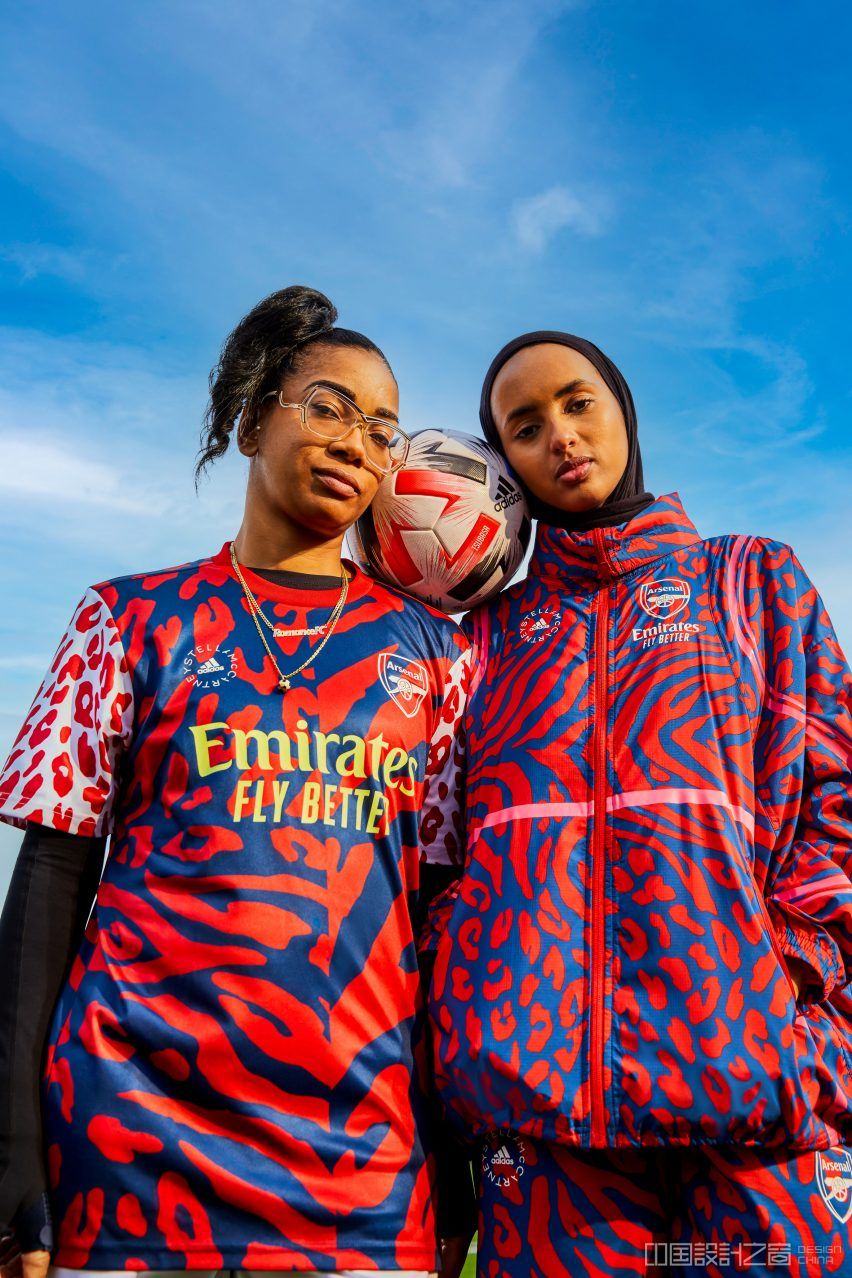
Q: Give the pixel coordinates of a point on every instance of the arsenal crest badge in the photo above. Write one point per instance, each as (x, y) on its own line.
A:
(834, 1179)
(664, 598)
(405, 680)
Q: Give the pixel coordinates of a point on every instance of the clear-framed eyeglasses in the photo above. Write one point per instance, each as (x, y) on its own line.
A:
(330, 415)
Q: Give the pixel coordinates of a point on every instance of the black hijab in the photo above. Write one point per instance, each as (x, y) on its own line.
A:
(629, 496)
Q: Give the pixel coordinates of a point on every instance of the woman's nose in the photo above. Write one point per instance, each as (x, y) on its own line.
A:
(350, 445)
(563, 431)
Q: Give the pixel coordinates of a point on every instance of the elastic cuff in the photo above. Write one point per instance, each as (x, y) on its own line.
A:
(437, 920)
(818, 957)
(34, 1224)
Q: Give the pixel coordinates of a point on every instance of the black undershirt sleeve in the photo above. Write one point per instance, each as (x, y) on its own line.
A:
(457, 1199)
(48, 903)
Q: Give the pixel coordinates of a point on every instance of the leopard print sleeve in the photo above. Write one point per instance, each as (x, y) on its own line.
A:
(62, 769)
(442, 820)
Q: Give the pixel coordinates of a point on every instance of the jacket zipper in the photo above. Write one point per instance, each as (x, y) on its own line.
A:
(598, 906)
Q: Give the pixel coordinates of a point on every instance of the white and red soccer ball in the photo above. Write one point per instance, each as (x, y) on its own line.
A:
(450, 528)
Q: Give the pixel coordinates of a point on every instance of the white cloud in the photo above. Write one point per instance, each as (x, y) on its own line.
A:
(44, 259)
(39, 466)
(537, 219)
(101, 454)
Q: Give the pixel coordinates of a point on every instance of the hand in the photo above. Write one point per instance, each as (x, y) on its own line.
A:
(35, 1264)
(17, 1264)
(799, 973)
(453, 1255)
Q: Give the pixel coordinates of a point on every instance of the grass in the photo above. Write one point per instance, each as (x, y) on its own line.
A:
(469, 1270)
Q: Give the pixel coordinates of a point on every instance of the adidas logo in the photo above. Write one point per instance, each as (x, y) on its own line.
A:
(507, 494)
(503, 1158)
(211, 666)
(209, 672)
(539, 624)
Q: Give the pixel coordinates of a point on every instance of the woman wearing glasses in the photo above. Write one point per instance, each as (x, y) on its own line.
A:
(642, 996)
(268, 737)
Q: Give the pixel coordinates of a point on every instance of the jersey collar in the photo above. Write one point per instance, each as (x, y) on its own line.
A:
(305, 594)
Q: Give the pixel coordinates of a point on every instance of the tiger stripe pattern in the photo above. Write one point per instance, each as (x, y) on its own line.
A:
(235, 1065)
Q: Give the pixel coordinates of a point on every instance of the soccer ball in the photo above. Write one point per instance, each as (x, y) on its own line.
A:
(449, 528)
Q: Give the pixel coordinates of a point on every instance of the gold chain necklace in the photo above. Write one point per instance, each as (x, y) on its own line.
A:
(280, 632)
(326, 630)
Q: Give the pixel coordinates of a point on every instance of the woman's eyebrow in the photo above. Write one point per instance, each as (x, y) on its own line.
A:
(344, 390)
(568, 389)
(519, 412)
(577, 384)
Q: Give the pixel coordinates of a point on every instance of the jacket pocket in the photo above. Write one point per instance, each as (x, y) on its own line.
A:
(773, 940)
(823, 1019)
(771, 934)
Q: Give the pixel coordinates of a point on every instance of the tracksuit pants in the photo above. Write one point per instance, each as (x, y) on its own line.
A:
(547, 1211)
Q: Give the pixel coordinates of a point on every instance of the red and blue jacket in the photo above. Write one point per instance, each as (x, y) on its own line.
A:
(659, 817)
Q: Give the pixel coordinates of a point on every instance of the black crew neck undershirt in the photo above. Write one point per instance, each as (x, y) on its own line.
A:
(296, 580)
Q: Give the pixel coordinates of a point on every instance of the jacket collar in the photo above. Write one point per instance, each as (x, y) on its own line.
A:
(602, 554)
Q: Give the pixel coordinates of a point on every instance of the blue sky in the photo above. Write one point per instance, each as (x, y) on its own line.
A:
(667, 179)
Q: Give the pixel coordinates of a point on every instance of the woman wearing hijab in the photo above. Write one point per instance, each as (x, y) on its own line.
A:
(639, 996)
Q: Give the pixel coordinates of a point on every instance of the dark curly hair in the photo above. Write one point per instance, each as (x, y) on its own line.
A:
(259, 353)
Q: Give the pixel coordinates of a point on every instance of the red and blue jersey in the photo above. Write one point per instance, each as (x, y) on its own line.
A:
(231, 1075)
(659, 816)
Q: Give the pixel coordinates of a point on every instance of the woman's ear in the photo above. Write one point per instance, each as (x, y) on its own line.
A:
(248, 434)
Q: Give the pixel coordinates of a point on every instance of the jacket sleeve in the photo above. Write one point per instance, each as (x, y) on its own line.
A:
(442, 838)
(442, 816)
(442, 826)
(804, 774)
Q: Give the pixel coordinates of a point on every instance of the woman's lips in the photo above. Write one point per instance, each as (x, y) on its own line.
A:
(574, 471)
(338, 483)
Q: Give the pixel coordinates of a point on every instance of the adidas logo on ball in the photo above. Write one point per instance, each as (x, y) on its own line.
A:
(507, 495)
